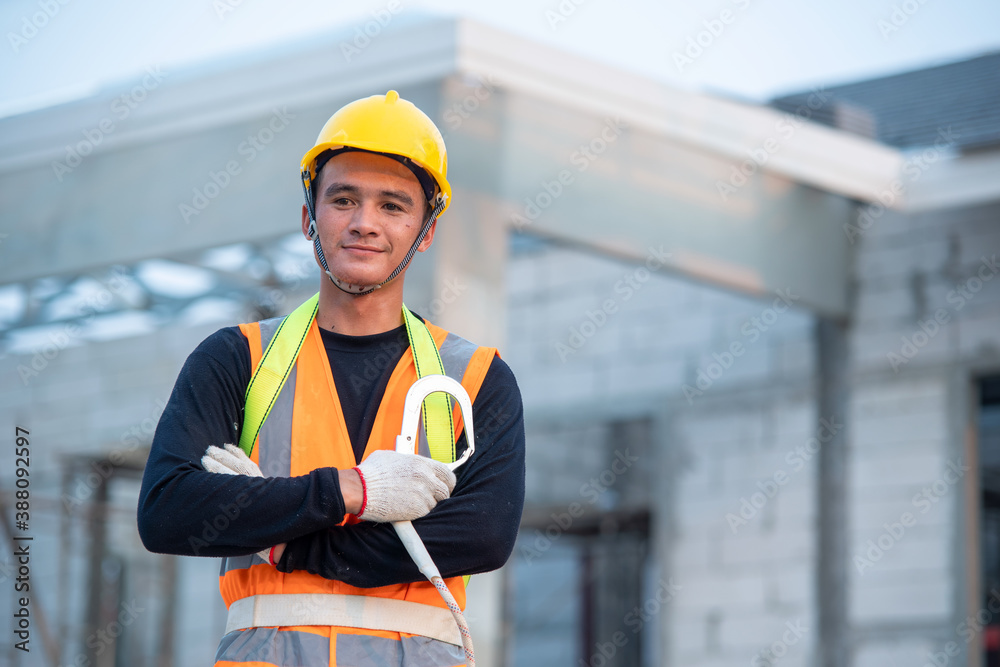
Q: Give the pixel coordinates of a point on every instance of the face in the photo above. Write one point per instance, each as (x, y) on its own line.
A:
(369, 210)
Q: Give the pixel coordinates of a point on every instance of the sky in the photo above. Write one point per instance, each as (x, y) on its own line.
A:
(745, 49)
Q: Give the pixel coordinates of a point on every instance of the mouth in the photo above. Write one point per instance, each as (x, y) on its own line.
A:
(362, 250)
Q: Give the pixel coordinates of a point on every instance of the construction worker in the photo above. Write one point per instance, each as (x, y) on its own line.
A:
(313, 572)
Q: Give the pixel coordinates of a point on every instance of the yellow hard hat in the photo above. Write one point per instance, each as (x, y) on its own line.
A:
(385, 124)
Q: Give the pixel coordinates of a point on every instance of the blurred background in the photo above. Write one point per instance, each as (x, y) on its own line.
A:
(740, 254)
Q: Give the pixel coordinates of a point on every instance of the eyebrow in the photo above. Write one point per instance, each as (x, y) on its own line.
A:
(340, 188)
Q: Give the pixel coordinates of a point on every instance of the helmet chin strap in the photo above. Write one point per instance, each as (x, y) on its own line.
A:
(350, 288)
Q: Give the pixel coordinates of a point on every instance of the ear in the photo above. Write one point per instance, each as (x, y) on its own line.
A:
(428, 239)
(305, 221)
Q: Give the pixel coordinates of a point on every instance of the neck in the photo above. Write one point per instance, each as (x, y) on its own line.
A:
(352, 315)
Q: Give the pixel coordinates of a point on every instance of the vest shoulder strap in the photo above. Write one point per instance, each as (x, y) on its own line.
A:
(272, 371)
(439, 425)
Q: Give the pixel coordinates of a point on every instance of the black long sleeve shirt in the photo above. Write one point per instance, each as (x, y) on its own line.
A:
(186, 510)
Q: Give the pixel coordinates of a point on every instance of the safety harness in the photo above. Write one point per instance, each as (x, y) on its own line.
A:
(282, 351)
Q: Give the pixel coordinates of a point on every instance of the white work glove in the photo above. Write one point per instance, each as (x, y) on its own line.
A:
(229, 461)
(233, 461)
(402, 487)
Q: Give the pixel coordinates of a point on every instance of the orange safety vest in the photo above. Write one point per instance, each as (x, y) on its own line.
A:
(306, 430)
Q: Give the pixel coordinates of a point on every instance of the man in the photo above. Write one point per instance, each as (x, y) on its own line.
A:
(313, 572)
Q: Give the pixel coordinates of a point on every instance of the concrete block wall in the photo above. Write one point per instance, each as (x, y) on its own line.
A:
(901, 566)
(910, 269)
(579, 332)
(744, 538)
(744, 586)
(99, 398)
(926, 323)
(563, 478)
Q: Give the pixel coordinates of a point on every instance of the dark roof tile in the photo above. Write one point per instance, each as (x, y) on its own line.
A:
(909, 110)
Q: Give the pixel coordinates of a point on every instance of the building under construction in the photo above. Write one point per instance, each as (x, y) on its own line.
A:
(758, 346)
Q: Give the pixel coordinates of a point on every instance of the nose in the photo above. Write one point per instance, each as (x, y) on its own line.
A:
(363, 220)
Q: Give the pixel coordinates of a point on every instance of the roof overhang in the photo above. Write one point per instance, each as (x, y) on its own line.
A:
(784, 231)
(238, 88)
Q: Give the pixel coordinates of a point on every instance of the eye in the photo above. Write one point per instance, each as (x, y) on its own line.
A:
(393, 207)
(341, 201)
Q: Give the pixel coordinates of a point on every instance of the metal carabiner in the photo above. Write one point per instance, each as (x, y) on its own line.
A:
(406, 441)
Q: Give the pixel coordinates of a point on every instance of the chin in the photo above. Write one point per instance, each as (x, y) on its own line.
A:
(360, 279)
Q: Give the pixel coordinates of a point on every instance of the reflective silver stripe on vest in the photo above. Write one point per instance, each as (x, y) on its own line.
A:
(364, 612)
(276, 455)
(275, 460)
(287, 648)
(456, 353)
(367, 651)
(293, 648)
(239, 563)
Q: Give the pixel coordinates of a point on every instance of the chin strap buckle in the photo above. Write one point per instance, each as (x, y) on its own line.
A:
(349, 287)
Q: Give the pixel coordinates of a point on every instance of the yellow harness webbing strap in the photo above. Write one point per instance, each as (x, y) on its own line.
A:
(273, 370)
(438, 420)
(436, 410)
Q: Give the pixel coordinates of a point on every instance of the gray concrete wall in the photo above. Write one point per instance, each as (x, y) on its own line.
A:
(740, 582)
(927, 323)
(581, 348)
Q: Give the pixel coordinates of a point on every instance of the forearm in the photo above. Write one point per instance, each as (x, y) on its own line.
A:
(370, 554)
(197, 513)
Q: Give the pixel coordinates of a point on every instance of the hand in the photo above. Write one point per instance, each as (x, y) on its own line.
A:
(402, 487)
(233, 461)
(229, 461)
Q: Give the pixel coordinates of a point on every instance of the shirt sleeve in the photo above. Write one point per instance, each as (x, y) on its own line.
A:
(473, 531)
(185, 510)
